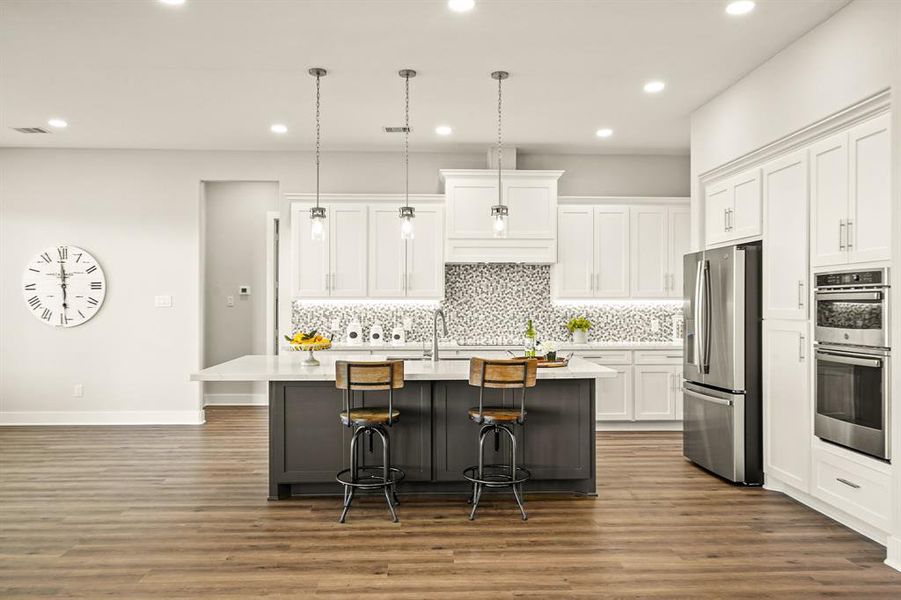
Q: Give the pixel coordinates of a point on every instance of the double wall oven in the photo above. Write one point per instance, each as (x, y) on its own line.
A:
(852, 360)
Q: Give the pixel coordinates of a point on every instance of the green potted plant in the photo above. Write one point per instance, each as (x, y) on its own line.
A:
(578, 327)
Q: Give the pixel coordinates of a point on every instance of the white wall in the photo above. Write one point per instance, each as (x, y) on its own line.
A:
(850, 57)
(235, 248)
(614, 175)
(139, 213)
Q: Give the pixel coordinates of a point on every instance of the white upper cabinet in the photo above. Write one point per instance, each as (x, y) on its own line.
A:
(531, 197)
(733, 209)
(870, 201)
(785, 271)
(311, 260)
(787, 403)
(574, 273)
(425, 255)
(617, 251)
(650, 253)
(387, 253)
(347, 250)
(850, 185)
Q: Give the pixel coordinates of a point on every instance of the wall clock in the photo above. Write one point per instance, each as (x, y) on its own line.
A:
(63, 286)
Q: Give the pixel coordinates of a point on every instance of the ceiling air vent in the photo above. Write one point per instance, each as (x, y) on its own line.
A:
(31, 130)
(400, 129)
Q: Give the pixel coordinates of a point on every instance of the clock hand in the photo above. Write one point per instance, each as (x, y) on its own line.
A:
(62, 279)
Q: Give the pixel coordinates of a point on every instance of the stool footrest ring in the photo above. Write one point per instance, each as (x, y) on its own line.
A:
(497, 475)
(370, 478)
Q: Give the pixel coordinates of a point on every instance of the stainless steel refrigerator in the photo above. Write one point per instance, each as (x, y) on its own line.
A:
(722, 430)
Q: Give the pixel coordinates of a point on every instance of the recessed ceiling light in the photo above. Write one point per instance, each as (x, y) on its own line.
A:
(604, 132)
(461, 5)
(58, 123)
(740, 7)
(443, 130)
(279, 128)
(173, 2)
(652, 87)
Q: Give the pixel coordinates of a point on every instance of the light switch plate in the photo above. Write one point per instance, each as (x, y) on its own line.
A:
(78, 392)
(162, 301)
(655, 325)
(408, 323)
(336, 324)
(229, 300)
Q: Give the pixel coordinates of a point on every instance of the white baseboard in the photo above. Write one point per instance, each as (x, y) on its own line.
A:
(638, 426)
(893, 559)
(112, 417)
(836, 514)
(235, 400)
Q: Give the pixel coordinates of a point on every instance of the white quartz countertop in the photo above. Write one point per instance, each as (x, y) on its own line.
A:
(563, 346)
(288, 367)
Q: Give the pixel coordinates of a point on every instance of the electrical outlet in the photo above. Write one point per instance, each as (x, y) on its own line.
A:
(79, 391)
(408, 323)
(162, 301)
(336, 324)
(655, 325)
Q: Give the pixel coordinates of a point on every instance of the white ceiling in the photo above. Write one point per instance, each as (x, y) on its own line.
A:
(214, 74)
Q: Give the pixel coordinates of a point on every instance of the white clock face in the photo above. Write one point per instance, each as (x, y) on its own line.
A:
(63, 286)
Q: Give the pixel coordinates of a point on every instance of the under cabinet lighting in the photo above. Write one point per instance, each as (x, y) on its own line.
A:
(623, 302)
(386, 303)
(740, 7)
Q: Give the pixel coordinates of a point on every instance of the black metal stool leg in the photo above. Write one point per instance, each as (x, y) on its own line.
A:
(516, 494)
(477, 491)
(386, 472)
(349, 490)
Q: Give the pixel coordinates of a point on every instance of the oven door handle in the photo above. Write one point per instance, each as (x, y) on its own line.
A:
(838, 296)
(849, 360)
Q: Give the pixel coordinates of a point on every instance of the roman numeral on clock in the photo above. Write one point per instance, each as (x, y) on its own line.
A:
(90, 269)
(63, 252)
(63, 319)
(45, 257)
(96, 285)
(92, 301)
(46, 314)
(30, 287)
(34, 302)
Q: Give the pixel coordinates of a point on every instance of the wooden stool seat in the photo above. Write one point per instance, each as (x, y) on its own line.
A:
(370, 416)
(495, 414)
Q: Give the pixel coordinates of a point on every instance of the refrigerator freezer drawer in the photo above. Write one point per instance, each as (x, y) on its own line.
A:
(713, 431)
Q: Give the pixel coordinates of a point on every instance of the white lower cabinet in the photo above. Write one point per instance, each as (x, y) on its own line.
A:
(655, 392)
(857, 485)
(614, 395)
(787, 402)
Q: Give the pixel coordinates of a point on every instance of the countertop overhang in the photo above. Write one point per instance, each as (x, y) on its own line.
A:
(288, 367)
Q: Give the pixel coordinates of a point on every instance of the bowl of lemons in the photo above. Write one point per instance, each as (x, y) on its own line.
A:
(309, 342)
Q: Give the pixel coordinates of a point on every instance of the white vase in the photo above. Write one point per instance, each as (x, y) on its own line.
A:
(580, 336)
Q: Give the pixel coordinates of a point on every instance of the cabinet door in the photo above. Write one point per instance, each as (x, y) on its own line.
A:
(649, 252)
(574, 271)
(614, 395)
(678, 223)
(310, 256)
(785, 251)
(829, 201)
(654, 393)
(746, 215)
(717, 204)
(870, 204)
(678, 400)
(387, 253)
(425, 255)
(469, 205)
(347, 250)
(533, 207)
(611, 251)
(787, 403)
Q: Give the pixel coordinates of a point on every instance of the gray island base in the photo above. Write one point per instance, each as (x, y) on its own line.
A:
(435, 440)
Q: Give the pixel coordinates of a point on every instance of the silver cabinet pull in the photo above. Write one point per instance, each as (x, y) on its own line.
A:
(334, 281)
(848, 234)
(848, 483)
(725, 219)
(841, 234)
(731, 219)
(802, 341)
(800, 294)
(597, 284)
(326, 281)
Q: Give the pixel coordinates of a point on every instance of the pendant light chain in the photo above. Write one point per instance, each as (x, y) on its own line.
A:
(500, 148)
(407, 139)
(318, 77)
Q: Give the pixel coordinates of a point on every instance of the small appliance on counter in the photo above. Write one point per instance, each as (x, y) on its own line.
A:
(376, 334)
(354, 332)
(853, 352)
(723, 413)
(398, 336)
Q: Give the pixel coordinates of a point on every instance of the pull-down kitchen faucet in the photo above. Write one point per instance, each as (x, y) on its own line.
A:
(438, 313)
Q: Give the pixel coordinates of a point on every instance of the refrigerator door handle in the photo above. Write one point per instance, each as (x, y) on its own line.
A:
(706, 398)
(696, 355)
(705, 317)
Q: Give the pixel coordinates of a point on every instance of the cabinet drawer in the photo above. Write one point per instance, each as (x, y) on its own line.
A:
(607, 357)
(855, 488)
(658, 357)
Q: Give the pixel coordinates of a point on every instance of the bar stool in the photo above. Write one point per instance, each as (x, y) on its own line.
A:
(502, 374)
(369, 420)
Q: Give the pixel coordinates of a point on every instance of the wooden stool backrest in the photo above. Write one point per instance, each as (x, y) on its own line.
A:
(503, 373)
(368, 376)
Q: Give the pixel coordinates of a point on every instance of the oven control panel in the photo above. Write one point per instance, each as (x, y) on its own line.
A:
(877, 277)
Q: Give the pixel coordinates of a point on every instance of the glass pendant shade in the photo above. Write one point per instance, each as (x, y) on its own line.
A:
(317, 223)
(499, 214)
(407, 221)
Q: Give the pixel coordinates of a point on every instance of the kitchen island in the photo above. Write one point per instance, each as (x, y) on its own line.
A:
(435, 439)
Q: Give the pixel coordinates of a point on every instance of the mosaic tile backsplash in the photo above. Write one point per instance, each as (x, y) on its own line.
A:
(490, 303)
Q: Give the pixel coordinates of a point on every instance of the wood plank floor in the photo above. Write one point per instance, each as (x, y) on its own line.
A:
(181, 512)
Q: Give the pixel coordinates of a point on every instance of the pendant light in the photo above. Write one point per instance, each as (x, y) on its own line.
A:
(406, 213)
(317, 213)
(499, 212)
